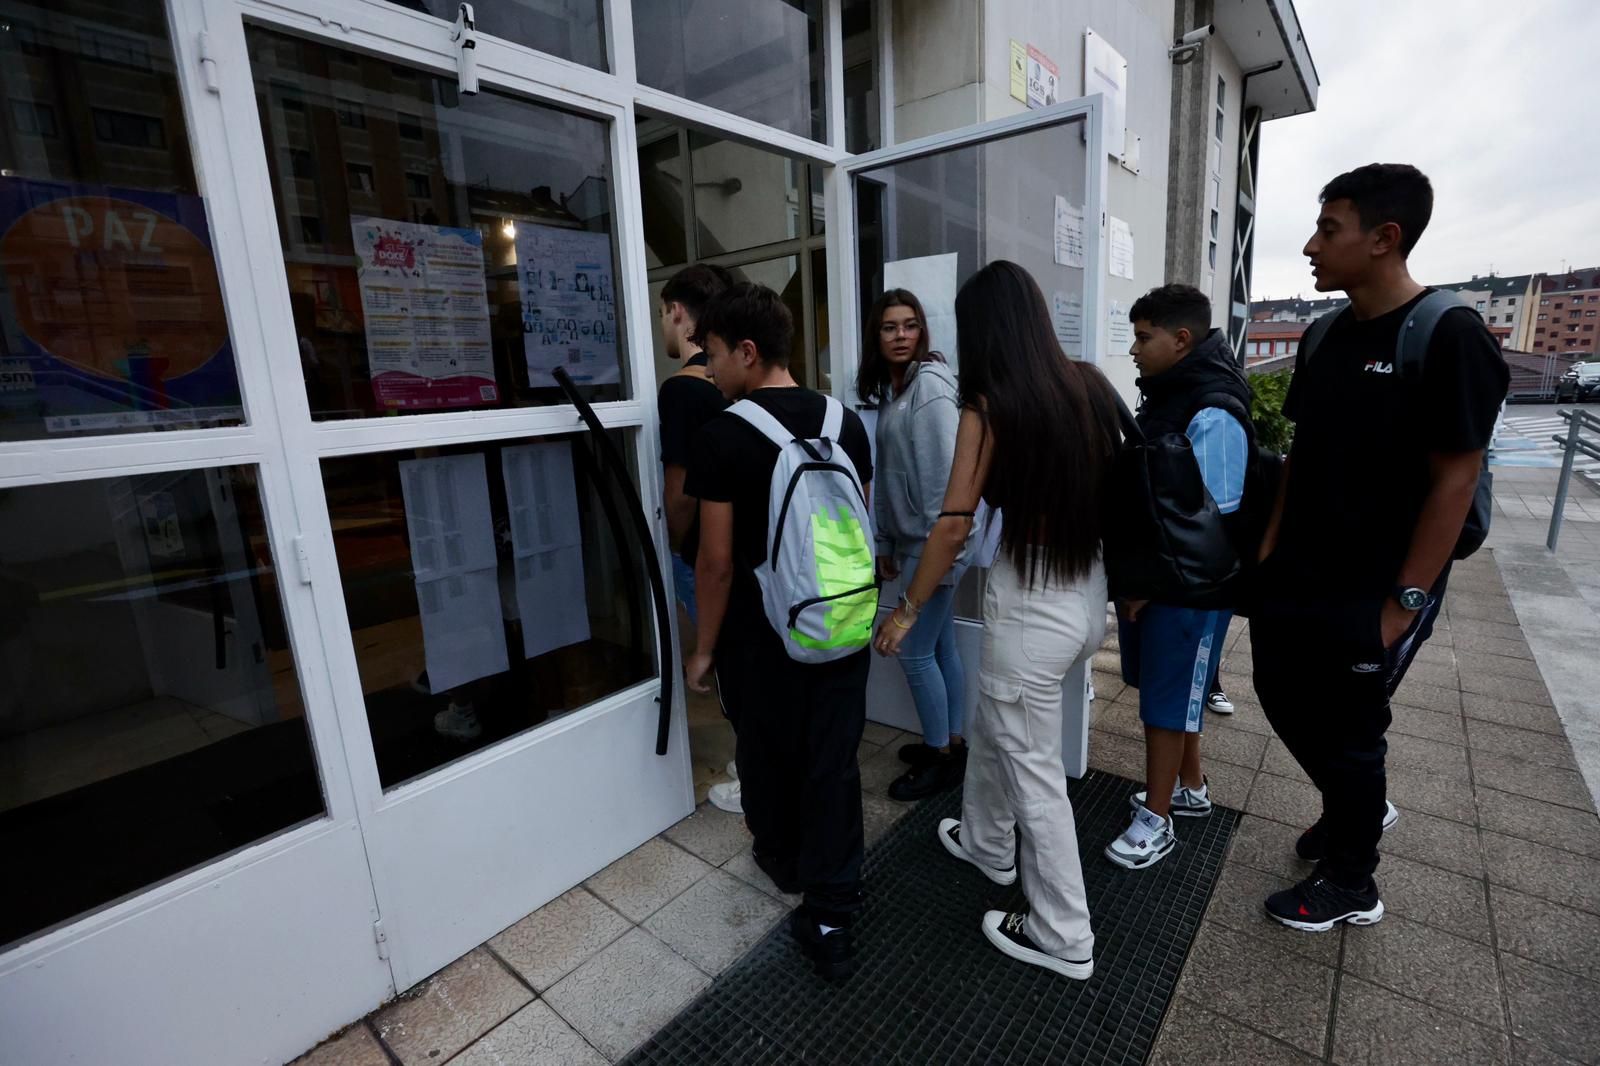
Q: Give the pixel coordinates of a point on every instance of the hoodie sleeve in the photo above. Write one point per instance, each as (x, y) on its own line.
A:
(935, 419)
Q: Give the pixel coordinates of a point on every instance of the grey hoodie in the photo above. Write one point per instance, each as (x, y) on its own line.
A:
(916, 441)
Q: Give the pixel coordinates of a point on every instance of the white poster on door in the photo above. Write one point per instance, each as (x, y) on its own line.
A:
(932, 279)
(569, 304)
(1106, 72)
(1066, 315)
(546, 546)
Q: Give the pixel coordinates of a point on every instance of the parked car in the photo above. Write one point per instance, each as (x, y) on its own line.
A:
(1580, 384)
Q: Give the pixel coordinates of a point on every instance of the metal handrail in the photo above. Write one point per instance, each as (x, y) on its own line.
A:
(1572, 444)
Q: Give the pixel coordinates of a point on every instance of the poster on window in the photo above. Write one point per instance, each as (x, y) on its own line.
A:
(546, 546)
(111, 310)
(425, 313)
(569, 304)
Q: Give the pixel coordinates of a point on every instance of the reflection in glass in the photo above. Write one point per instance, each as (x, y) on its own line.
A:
(862, 121)
(111, 316)
(662, 193)
(490, 587)
(744, 197)
(151, 718)
(783, 277)
(567, 29)
(481, 257)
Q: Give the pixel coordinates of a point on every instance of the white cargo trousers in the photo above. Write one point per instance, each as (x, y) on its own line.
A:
(1015, 779)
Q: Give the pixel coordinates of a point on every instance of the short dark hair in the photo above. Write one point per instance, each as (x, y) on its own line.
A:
(1387, 192)
(1175, 307)
(694, 286)
(747, 312)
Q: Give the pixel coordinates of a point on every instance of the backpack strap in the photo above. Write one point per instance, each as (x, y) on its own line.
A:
(764, 421)
(1411, 347)
(832, 419)
(1312, 337)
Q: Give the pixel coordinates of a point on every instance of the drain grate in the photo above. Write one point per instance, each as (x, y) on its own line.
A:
(931, 990)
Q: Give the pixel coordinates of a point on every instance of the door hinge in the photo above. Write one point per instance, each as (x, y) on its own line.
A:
(302, 560)
(381, 938)
(208, 63)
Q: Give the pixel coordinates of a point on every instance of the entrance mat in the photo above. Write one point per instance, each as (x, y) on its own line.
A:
(930, 989)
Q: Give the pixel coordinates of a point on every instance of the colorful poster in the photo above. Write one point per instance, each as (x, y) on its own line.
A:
(1043, 79)
(569, 304)
(426, 314)
(112, 311)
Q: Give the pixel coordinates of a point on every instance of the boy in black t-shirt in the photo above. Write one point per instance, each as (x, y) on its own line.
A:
(1374, 495)
(798, 725)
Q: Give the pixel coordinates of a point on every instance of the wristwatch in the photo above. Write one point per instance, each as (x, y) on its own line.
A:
(1411, 597)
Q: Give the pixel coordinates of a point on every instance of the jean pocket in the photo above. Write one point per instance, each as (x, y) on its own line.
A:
(1008, 720)
(1054, 626)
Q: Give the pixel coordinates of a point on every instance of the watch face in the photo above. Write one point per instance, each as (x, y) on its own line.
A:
(1413, 599)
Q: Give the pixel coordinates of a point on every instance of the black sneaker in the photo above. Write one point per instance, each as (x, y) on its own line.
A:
(1004, 930)
(941, 773)
(832, 954)
(918, 754)
(1313, 843)
(1317, 904)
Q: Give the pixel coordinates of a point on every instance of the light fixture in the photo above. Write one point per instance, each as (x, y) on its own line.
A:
(509, 228)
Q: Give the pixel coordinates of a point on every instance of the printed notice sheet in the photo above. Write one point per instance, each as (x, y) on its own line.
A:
(569, 304)
(546, 546)
(1066, 314)
(1069, 233)
(1119, 330)
(1121, 248)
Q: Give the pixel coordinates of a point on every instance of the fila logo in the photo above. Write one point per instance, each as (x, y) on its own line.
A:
(1374, 366)
(1367, 668)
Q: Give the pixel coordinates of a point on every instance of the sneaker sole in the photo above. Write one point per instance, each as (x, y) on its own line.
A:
(1077, 971)
(1372, 917)
(731, 808)
(1137, 801)
(1144, 861)
(999, 877)
(1219, 710)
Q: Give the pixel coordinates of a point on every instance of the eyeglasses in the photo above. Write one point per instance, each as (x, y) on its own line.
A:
(894, 329)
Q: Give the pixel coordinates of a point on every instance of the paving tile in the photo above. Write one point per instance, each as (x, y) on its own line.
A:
(1107, 685)
(1263, 844)
(1479, 627)
(534, 1036)
(559, 937)
(1466, 605)
(1552, 1008)
(1238, 902)
(716, 921)
(881, 769)
(1278, 761)
(1119, 718)
(1376, 1027)
(1116, 754)
(1430, 697)
(645, 879)
(1509, 774)
(743, 866)
(1440, 796)
(356, 1046)
(1435, 757)
(1428, 964)
(878, 733)
(454, 1007)
(1427, 894)
(1191, 1034)
(1527, 1053)
(1435, 841)
(1510, 643)
(1283, 800)
(1247, 716)
(711, 833)
(1504, 665)
(1253, 980)
(879, 814)
(1534, 716)
(1441, 675)
(639, 971)
(1232, 745)
(1544, 823)
(1505, 688)
(1229, 784)
(1547, 933)
(1559, 876)
(1443, 726)
(1546, 749)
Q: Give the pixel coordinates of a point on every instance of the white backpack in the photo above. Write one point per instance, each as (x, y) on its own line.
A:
(817, 583)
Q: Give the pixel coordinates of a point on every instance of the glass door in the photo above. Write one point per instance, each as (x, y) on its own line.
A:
(925, 216)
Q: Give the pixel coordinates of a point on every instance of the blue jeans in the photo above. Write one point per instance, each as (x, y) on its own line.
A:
(933, 669)
(683, 585)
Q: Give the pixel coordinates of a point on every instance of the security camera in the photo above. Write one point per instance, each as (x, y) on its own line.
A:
(464, 33)
(1189, 44)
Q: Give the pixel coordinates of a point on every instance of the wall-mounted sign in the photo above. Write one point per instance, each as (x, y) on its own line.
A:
(1043, 79)
(569, 304)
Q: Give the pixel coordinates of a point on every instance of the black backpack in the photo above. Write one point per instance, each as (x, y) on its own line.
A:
(1410, 356)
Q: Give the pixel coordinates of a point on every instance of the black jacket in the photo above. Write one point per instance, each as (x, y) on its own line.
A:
(1206, 377)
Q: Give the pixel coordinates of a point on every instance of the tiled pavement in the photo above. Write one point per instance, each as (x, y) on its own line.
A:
(1489, 953)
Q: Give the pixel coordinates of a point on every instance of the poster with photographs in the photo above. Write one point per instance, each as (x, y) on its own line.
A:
(569, 304)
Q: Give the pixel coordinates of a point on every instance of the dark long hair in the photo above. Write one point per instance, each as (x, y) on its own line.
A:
(1050, 423)
(872, 377)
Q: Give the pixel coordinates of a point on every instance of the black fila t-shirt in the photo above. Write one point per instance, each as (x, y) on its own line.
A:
(1364, 431)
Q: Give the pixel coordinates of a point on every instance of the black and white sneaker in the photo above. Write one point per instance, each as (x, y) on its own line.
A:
(832, 952)
(1317, 904)
(950, 837)
(1004, 930)
(1219, 703)
(1313, 843)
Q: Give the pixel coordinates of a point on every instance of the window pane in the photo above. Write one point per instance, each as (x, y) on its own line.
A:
(568, 29)
(783, 277)
(819, 297)
(743, 197)
(481, 258)
(111, 316)
(151, 717)
(491, 588)
(761, 59)
(861, 89)
(661, 187)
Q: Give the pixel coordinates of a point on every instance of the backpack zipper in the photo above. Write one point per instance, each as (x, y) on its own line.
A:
(794, 612)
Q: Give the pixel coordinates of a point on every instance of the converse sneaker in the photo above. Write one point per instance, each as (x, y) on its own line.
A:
(1186, 802)
(1145, 842)
(950, 837)
(1313, 843)
(727, 797)
(1219, 703)
(1317, 904)
(459, 721)
(832, 951)
(1004, 931)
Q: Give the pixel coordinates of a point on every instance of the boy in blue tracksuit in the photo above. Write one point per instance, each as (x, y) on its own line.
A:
(1192, 386)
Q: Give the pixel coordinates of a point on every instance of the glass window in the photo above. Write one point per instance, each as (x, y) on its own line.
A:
(782, 275)
(482, 259)
(491, 588)
(661, 184)
(743, 196)
(567, 29)
(862, 92)
(151, 718)
(761, 59)
(111, 316)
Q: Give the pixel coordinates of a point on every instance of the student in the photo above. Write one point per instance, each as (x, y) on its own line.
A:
(918, 410)
(1038, 437)
(686, 401)
(1374, 496)
(798, 725)
(1191, 386)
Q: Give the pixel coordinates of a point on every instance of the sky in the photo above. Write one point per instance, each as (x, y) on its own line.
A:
(1496, 102)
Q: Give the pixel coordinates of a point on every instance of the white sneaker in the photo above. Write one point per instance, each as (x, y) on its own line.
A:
(727, 797)
(950, 837)
(1219, 703)
(459, 721)
(1145, 842)
(1186, 802)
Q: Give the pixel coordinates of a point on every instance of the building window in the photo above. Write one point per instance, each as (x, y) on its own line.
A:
(113, 48)
(1511, 301)
(302, 164)
(34, 120)
(1542, 317)
(1544, 303)
(128, 129)
(1558, 305)
(350, 114)
(1222, 96)
(310, 229)
(418, 186)
(410, 126)
(1495, 302)
(1480, 305)
(360, 176)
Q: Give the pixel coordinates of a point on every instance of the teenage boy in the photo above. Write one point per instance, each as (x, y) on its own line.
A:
(686, 402)
(798, 725)
(1192, 386)
(1374, 496)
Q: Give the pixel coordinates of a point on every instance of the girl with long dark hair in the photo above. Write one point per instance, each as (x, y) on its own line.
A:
(1037, 440)
(918, 412)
